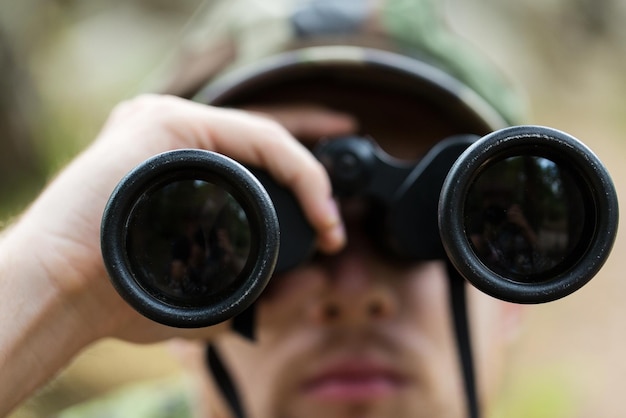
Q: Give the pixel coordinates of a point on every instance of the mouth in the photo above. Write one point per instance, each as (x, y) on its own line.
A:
(354, 380)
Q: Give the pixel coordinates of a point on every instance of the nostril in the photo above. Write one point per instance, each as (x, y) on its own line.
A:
(375, 309)
(331, 312)
(355, 308)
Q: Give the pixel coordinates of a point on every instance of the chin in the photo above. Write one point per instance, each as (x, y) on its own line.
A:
(402, 406)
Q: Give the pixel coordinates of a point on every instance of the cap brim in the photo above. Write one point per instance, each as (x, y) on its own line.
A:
(361, 66)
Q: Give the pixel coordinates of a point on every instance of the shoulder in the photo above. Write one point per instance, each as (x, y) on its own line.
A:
(171, 398)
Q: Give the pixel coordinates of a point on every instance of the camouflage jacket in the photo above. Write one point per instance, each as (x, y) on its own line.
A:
(170, 398)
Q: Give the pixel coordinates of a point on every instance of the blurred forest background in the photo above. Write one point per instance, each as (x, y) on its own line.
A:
(65, 63)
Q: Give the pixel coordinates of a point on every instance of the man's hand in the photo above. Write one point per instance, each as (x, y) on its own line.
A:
(57, 298)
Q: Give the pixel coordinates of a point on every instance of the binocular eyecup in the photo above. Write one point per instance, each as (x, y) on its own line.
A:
(527, 214)
(544, 243)
(190, 238)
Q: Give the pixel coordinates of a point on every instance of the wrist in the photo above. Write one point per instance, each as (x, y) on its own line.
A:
(41, 325)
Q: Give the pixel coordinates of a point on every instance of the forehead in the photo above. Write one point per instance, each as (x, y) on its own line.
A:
(404, 115)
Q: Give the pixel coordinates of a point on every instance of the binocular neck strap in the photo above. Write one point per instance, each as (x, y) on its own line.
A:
(244, 325)
(224, 381)
(458, 306)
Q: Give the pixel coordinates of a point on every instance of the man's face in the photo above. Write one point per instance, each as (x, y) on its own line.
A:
(354, 335)
(359, 335)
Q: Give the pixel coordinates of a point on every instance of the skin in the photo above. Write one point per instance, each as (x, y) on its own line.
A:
(349, 305)
(50, 262)
(355, 334)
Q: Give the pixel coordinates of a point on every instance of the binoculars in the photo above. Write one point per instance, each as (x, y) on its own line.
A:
(527, 214)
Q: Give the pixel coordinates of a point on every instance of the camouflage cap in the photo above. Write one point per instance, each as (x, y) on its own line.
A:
(233, 44)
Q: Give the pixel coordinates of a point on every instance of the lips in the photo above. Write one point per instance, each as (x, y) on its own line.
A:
(354, 380)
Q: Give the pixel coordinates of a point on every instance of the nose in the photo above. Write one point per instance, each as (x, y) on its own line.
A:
(356, 291)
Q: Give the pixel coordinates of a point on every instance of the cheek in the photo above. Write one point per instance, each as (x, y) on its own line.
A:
(495, 327)
(267, 372)
(262, 368)
(287, 302)
(428, 330)
(423, 295)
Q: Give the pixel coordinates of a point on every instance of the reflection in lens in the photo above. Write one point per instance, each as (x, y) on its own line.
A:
(524, 217)
(189, 239)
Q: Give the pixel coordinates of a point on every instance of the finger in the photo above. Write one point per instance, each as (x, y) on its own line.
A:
(307, 121)
(267, 144)
(251, 139)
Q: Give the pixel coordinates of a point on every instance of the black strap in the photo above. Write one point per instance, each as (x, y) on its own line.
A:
(244, 323)
(224, 381)
(458, 305)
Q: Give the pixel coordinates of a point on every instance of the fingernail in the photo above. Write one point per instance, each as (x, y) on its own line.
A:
(337, 236)
(332, 212)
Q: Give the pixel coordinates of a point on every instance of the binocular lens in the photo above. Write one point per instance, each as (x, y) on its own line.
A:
(528, 214)
(525, 217)
(188, 239)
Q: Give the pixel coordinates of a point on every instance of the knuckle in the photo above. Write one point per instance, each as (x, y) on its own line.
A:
(144, 105)
(309, 177)
(270, 130)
